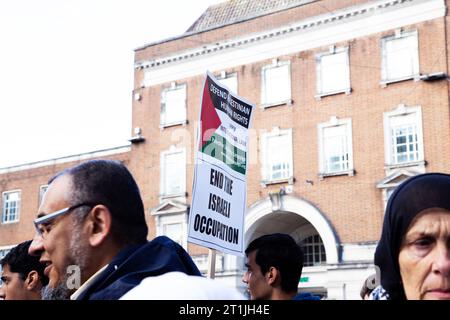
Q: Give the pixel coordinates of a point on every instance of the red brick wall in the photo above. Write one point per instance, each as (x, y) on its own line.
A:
(353, 204)
(28, 182)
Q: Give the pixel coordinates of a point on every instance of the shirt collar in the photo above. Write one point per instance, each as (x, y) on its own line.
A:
(86, 284)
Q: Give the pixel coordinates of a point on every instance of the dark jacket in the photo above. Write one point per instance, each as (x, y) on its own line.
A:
(305, 296)
(131, 265)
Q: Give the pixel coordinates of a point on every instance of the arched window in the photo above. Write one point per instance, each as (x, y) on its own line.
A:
(314, 251)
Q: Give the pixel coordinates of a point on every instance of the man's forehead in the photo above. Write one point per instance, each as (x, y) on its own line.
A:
(56, 195)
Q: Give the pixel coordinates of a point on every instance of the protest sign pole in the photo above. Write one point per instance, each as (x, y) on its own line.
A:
(211, 263)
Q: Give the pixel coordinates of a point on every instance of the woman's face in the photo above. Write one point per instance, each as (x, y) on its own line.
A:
(424, 256)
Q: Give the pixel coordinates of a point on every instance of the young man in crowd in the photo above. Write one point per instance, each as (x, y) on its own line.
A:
(22, 275)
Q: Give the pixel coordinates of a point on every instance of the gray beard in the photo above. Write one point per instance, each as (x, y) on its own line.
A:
(79, 257)
(61, 292)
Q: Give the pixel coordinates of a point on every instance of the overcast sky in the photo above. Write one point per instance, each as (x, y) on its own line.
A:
(66, 71)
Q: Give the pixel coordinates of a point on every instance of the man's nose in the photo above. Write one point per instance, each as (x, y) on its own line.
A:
(245, 277)
(36, 246)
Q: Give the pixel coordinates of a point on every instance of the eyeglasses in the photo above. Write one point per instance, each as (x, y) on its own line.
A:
(43, 221)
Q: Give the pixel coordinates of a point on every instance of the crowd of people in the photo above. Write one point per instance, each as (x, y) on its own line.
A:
(91, 244)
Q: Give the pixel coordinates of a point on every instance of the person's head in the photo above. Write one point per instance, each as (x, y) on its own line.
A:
(274, 267)
(22, 275)
(367, 287)
(413, 253)
(89, 212)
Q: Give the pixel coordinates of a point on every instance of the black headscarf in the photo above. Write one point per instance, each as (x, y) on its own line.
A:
(416, 194)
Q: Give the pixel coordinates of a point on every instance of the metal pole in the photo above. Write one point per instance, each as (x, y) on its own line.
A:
(211, 263)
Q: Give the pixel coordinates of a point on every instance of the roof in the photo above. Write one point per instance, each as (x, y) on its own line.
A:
(230, 12)
(233, 11)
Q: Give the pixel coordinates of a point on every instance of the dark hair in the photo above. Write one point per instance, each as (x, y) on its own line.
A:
(280, 251)
(19, 261)
(109, 183)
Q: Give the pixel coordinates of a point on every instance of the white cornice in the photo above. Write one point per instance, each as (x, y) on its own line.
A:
(326, 29)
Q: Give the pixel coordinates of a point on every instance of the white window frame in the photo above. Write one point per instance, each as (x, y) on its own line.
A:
(163, 188)
(335, 122)
(265, 171)
(400, 111)
(176, 218)
(345, 81)
(385, 78)
(312, 245)
(42, 189)
(227, 76)
(264, 100)
(17, 215)
(164, 92)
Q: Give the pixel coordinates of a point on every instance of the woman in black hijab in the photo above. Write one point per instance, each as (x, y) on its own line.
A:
(413, 253)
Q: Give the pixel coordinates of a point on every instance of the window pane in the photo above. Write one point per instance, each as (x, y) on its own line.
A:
(174, 173)
(11, 205)
(174, 105)
(405, 145)
(277, 86)
(335, 149)
(334, 72)
(278, 157)
(401, 57)
(314, 251)
(405, 148)
(231, 83)
(174, 231)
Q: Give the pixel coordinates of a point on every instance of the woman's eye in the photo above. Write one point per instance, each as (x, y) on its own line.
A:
(423, 242)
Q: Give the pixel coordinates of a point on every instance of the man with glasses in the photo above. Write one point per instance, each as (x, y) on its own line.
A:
(22, 275)
(91, 234)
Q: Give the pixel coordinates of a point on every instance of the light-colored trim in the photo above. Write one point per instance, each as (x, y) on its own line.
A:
(175, 206)
(304, 209)
(161, 220)
(399, 35)
(323, 30)
(163, 110)
(390, 181)
(227, 75)
(335, 122)
(319, 86)
(264, 89)
(399, 111)
(172, 150)
(71, 158)
(264, 136)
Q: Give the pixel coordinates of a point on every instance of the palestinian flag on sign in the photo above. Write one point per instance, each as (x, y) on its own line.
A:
(212, 143)
(209, 118)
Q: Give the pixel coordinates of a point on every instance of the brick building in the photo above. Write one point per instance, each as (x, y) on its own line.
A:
(351, 96)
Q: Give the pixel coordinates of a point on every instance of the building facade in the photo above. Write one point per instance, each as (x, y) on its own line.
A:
(352, 98)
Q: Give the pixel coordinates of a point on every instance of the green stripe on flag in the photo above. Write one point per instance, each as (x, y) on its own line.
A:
(218, 147)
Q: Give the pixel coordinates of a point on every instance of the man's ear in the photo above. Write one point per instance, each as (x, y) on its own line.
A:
(99, 225)
(32, 281)
(273, 276)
